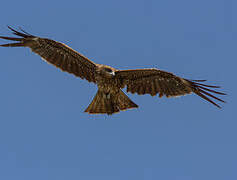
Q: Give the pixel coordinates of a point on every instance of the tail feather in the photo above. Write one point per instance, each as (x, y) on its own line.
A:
(124, 102)
(109, 103)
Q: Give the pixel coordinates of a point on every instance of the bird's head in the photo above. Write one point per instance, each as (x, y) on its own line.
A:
(106, 71)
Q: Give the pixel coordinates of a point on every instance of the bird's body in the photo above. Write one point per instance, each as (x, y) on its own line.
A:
(110, 98)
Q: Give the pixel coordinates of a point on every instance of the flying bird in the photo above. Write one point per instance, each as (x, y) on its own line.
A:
(110, 98)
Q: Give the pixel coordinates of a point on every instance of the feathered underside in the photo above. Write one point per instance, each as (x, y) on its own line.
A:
(154, 81)
(56, 53)
(140, 81)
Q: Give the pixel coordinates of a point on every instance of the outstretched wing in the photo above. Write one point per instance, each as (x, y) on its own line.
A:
(154, 81)
(56, 53)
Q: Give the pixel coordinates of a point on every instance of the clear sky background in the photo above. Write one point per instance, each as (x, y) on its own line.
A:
(44, 133)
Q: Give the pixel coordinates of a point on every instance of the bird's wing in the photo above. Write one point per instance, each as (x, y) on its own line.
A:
(56, 53)
(154, 81)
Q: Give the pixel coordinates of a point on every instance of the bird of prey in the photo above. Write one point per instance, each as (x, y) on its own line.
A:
(110, 98)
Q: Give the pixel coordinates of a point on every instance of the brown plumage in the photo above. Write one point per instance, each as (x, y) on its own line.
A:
(110, 98)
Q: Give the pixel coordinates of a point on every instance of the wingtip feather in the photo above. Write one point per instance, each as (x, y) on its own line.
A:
(12, 45)
(24, 34)
(201, 90)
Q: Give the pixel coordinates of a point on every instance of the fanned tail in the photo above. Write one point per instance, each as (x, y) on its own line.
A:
(109, 103)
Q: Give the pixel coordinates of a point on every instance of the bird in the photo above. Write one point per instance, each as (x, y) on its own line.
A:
(110, 98)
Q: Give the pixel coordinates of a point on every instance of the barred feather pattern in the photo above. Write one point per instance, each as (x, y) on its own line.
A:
(101, 104)
(109, 80)
(56, 53)
(154, 81)
(109, 103)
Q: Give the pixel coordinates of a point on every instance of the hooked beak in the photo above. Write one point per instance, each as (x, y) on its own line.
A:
(112, 73)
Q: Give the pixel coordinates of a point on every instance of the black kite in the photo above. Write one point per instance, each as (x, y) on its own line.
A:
(110, 98)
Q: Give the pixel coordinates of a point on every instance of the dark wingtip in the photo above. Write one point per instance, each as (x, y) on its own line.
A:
(198, 80)
(23, 34)
(9, 27)
(13, 30)
(12, 45)
(202, 91)
(11, 38)
(24, 31)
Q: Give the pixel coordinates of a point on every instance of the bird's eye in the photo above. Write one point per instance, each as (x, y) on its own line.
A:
(108, 70)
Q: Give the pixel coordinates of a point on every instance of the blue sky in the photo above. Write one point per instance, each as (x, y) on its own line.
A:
(44, 133)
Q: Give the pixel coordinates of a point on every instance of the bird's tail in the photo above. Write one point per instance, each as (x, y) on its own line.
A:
(109, 103)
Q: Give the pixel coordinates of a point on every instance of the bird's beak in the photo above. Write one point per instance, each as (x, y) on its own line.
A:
(112, 73)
